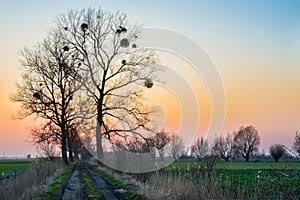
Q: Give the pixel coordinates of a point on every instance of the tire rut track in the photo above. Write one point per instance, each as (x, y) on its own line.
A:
(74, 190)
(106, 189)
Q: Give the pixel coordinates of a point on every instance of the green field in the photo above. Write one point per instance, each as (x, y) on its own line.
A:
(12, 167)
(292, 165)
(282, 178)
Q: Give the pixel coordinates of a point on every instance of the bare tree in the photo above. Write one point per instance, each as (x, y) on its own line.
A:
(176, 146)
(46, 140)
(277, 151)
(200, 148)
(246, 141)
(160, 141)
(45, 131)
(296, 145)
(48, 85)
(224, 146)
(136, 145)
(114, 73)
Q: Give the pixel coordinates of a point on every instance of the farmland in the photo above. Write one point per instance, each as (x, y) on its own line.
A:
(180, 180)
(13, 167)
(240, 165)
(238, 179)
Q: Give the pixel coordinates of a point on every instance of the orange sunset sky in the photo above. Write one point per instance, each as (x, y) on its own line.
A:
(254, 45)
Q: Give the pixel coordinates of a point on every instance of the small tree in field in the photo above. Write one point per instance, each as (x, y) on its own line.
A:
(277, 151)
(199, 148)
(296, 145)
(224, 146)
(160, 141)
(176, 146)
(246, 141)
(204, 150)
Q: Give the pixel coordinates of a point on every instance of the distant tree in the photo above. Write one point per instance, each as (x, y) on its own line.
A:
(160, 141)
(176, 146)
(246, 141)
(134, 144)
(200, 148)
(204, 150)
(28, 156)
(277, 151)
(224, 147)
(48, 150)
(139, 145)
(296, 145)
(46, 138)
(74, 141)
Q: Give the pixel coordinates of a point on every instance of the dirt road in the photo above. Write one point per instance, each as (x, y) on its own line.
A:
(74, 189)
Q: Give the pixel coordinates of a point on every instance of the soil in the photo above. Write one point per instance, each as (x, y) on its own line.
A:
(74, 189)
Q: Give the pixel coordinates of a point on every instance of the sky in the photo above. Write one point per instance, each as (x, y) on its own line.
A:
(253, 44)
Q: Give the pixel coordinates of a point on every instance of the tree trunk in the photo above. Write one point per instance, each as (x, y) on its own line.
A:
(99, 142)
(247, 158)
(64, 147)
(226, 159)
(161, 154)
(199, 159)
(70, 149)
(75, 151)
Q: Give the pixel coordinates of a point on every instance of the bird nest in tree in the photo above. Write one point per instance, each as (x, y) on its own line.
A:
(66, 48)
(121, 29)
(37, 95)
(84, 27)
(148, 83)
(124, 43)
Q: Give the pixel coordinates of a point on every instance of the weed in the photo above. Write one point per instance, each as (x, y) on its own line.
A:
(55, 190)
(130, 192)
(89, 186)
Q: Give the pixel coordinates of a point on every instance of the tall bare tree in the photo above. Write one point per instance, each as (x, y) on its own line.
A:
(114, 72)
(224, 146)
(47, 85)
(246, 141)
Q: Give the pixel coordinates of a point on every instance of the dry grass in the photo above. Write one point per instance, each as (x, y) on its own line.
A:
(162, 186)
(32, 182)
(158, 185)
(167, 186)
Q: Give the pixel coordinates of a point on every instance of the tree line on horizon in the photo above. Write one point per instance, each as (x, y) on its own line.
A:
(244, 143)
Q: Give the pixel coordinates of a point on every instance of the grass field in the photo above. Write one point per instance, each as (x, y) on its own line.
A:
(240, 180)
(292, 165)
(282, 178)
(12, 167)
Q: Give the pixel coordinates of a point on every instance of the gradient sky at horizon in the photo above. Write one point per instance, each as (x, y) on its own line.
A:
(254, 44)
